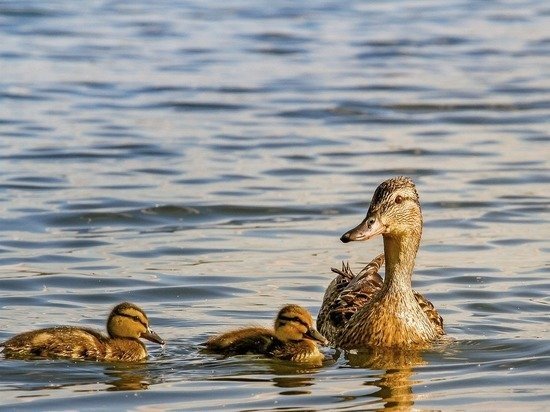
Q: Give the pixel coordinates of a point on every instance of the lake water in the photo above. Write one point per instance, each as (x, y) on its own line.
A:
(202, 159)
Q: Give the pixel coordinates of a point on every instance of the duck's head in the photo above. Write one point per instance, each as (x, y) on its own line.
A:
(394, 210)
(294, 322)
(129, 321)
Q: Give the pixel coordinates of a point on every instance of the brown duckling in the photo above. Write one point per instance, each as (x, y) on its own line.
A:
(294, 338)
(127, 323)
(365, 311)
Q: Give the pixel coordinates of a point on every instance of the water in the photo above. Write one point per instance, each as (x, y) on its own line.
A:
(202, 159)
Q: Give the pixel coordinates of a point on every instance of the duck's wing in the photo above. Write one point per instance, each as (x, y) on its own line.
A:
(345, 275)
(346, 294)
(430, 311)
(357, 293)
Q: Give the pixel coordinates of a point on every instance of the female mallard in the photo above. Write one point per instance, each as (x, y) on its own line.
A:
(126, 324)
(294, 338)
(364, 311)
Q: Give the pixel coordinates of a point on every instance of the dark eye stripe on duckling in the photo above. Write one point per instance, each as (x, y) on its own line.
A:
(294, 319)
(133, 317)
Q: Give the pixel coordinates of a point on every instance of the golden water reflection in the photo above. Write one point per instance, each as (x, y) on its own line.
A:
(130, 377)
(395, 381)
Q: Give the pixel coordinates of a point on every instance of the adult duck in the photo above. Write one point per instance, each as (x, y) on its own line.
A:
(362, 310)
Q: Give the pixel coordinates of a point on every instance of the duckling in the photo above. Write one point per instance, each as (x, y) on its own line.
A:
(126, 324)
(294, 338)
(362, 310)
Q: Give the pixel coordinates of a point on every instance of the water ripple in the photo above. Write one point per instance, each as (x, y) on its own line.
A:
(202, 159)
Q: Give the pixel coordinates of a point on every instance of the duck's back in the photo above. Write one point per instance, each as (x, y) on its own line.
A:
(252, 340)
(74, 343)
(63, 341)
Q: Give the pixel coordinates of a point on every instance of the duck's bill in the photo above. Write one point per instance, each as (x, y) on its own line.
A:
(316, 336)
(364, 231)
(152, 336)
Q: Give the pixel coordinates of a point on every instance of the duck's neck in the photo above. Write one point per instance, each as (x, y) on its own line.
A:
(400, 253)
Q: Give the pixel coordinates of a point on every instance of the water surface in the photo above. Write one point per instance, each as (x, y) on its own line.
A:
(202, 159)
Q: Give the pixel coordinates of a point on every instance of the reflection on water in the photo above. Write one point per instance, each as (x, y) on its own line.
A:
(201, 159)
(393, 373)
(130, 377)
(37, 375)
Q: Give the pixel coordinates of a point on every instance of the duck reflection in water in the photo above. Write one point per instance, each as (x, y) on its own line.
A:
(393, 372)
(129, 377)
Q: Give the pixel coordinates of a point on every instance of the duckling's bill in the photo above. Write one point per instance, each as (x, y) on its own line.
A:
(152, 336)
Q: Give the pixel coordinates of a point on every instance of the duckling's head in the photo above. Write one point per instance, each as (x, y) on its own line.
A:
(394, 210)
(129, 321)
(295, 323)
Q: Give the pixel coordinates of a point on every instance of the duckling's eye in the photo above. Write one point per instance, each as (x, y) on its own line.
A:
(136, 318)
(398, 199)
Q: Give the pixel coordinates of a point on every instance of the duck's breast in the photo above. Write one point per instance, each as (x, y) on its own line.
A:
(125, 350)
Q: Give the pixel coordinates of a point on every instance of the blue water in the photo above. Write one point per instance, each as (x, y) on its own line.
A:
(202, 159)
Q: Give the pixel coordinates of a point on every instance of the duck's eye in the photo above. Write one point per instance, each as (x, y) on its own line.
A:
(398, 199)
(136, 318)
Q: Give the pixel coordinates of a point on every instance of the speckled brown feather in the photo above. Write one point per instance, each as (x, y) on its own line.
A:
(346, 294)
(430, 311)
